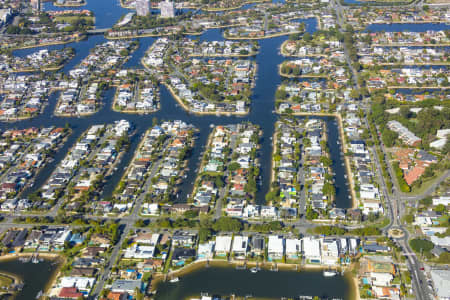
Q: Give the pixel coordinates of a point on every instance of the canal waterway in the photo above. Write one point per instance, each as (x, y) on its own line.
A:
(35, 276)
(225, 281)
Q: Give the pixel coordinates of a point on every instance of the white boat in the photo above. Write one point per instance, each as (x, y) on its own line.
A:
(254, 270)
(173, 280)
(329, 273)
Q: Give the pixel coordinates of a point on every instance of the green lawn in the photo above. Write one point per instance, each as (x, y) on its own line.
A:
(68, 19)
(5, 281)
(426, 184)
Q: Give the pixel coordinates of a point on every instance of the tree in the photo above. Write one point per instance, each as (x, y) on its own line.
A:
(138, 294)
(444, 258)
(328, 189)
(281, 94)
(409, 218)
(218, 181)
(311, 214)
(190, 214)
(326, 161)
(427, 201)
(228, 224)
(405, 112)
(204, 234)
(389, 137)
(272, 195)
(421, 245)
(355, 94)
(234, 166)
(440, 208)
(294, 36)
(307, 37)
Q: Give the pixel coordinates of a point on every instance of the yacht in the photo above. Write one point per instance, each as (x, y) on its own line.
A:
(329, 273)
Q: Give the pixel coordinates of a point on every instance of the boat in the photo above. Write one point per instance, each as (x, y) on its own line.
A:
(35, 260)
(175, 279)
(329, 273)
(39, 295)
(254, 270)
(25, 259)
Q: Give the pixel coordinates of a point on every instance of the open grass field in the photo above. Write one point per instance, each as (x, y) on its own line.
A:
(5, 281)
(69, 19)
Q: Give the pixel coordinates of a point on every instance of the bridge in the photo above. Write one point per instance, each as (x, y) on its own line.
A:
(97, 31)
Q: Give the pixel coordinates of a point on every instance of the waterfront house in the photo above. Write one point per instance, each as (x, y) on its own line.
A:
(223, 245)
(139, 252)
(312, 250)
(257, 245)
(293, 248)
(182, 256)
(126, 286)
(275, 247)
(206, 250)
(240, 246)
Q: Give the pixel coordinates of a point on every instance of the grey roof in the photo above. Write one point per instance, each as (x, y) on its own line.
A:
(126, 285)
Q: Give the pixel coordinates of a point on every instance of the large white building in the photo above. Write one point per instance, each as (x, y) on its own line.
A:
(441, 280)
(142, 7)
(275, 247)
(223, 245)
(311, 250)
(167, 9)
(5, 14)
(36, 5)
(293, 248)
(139, 252)
(330, 251)
(240, 246)
(81, 283)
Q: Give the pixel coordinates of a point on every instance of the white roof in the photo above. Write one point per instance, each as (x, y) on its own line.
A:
(206, 248)
(142, 252)
(275, 244)
(293, 245)
(223, 243)
(443, 242)
(441, 280)
(311, 247)
(240, 243)
(78, 282)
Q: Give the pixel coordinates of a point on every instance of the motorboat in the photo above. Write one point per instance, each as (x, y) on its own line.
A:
(329, 273)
